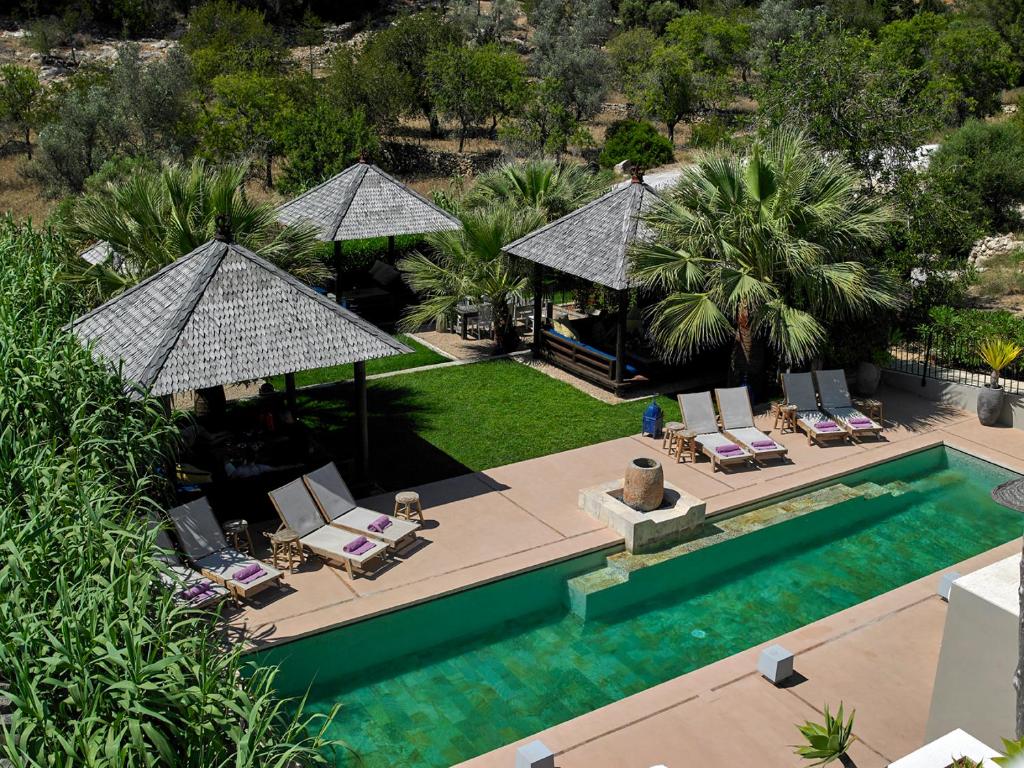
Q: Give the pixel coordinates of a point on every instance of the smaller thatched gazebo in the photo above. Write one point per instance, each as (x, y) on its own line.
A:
(221, 315)
(364, 202)
(591, 243)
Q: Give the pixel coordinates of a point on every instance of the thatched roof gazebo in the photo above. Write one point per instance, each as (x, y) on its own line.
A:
(221, 315)
(364, 202)
(592, 243)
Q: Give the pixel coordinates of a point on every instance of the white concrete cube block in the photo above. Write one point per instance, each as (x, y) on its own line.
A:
(946, 583)
(535, 755)
(775, 663)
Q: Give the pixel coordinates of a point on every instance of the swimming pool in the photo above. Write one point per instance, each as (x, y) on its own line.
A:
(444, 681)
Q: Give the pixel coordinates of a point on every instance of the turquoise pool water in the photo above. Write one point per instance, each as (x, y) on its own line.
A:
(450, 679)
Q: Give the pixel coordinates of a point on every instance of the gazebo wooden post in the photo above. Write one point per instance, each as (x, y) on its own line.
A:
(337, 271)
(289, 388)
(620, 337)
(362, 421)
(391, 249)
(538, 301)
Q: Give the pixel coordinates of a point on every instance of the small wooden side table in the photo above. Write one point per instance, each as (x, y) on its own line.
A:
(784, 417)
(407, 504)
(870, 407)
(668, 434)
(237, 534)
(286, 549)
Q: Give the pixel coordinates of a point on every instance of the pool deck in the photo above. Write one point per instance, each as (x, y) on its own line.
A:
(488, 525)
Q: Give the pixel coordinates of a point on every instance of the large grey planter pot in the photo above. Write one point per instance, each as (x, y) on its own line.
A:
(644, 487)
(869, 376)
(990, 405)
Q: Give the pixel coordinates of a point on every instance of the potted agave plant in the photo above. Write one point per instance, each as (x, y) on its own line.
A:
(997, 354)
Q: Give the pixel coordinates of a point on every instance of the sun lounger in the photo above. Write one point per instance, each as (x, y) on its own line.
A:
(819, 426)
(836, 402)
(188, 586)
(699, 416)
(339, 508)
(738, 424)
(204, 544)
(299, 512)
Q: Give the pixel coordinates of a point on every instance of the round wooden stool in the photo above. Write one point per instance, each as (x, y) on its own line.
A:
(407, 504)
(669, 433)
(237, 534)
(286, 549)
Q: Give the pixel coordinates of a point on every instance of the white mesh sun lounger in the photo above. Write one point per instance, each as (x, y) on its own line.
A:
(699, 417)
(339, 508)
(299, 512)
(179, 577)
(799, 391)
(204, 543)
(738, 424)
(835, 400)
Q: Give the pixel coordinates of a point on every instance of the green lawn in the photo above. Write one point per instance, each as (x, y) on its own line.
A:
(420, 355)
(435, 424)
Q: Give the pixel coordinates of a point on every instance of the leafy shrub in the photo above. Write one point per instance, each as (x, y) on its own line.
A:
(102, 666)
(980, 170)
(636, 141)
(710, 133)
(957, 335)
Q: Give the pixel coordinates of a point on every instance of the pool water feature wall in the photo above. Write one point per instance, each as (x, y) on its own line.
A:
(441, 682)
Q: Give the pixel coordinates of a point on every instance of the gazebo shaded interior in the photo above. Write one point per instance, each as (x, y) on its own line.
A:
(591, 243)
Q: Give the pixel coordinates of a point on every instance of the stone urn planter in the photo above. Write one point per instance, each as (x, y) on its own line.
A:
(644, 486)
(990, 404)
(869, 375)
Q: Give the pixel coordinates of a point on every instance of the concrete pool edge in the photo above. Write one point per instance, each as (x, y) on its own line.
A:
(614, 721)
(726, 505)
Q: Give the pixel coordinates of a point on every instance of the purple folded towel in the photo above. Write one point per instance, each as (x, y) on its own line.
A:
(378, 525)
(859, 421)
(727, 450)
(198, 588)
(203, 596)
(258, 573)
(355, 544)
(366, 546)
(826, 425)
(763, 443)
(246, 571)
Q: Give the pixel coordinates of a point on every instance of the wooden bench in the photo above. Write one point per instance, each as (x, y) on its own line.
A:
(585, 361)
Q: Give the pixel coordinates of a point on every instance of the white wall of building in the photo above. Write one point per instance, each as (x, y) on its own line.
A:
(974, 679)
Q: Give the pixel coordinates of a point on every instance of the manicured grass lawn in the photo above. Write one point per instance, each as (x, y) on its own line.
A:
(435, 424)
(420, 355)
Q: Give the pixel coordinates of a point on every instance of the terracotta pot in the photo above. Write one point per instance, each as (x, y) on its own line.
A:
(644, 487)
(990, 405)
(868, 377)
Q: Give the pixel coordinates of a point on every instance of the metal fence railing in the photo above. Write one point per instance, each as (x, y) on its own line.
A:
(945, 358)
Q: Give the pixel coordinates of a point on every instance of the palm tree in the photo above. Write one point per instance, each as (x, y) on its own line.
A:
(470, 263)
(762, 250)
(151, 219)
(550, 188)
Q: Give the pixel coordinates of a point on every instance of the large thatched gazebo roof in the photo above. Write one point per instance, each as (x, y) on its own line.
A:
(363, 202)
(592, 243)
(220, 315)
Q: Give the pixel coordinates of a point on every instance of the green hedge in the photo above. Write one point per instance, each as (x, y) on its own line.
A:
(956, 333)
(101, 664)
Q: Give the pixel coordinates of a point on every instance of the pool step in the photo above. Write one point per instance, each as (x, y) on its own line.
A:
(621, 565)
